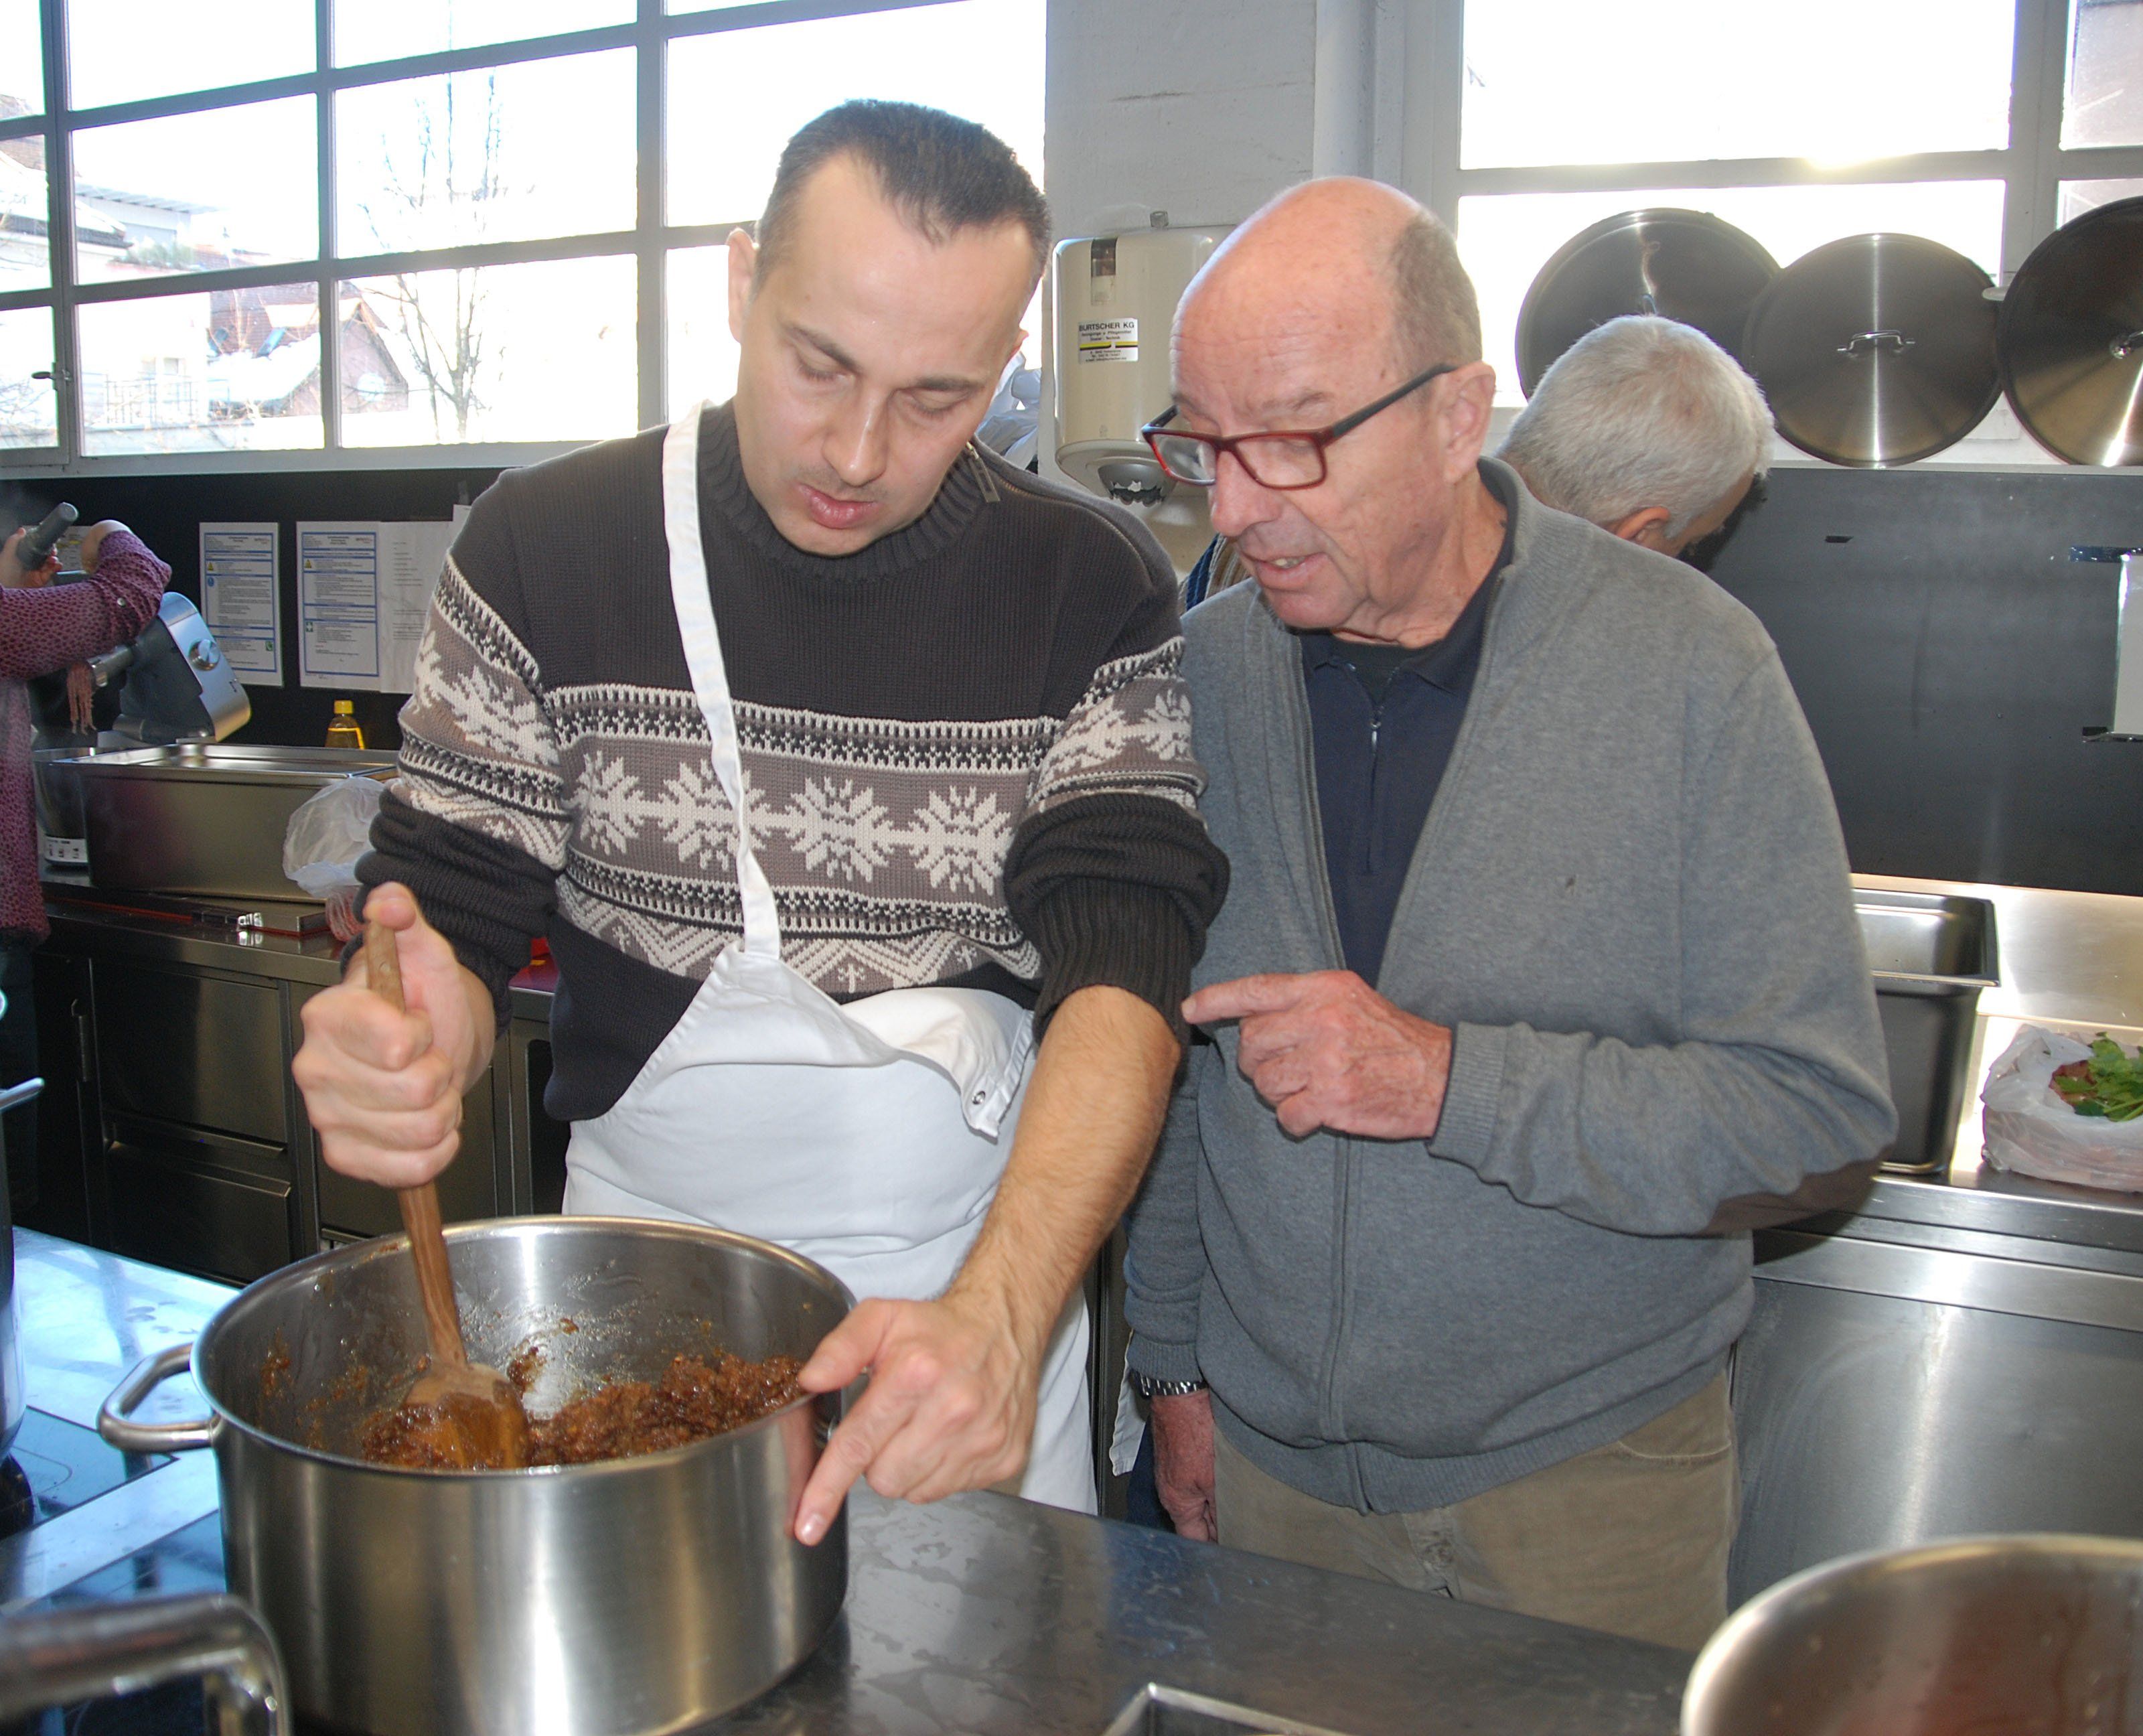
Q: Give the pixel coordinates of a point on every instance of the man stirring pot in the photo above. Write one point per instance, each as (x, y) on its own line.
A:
(837, 758)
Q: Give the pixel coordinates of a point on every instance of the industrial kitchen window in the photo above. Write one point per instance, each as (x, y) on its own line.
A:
(1981, 124)
(509, 213)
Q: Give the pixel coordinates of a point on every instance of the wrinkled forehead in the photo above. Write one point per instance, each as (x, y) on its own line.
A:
(1250, 352)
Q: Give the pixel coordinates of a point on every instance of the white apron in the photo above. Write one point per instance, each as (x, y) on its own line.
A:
(870, 1138)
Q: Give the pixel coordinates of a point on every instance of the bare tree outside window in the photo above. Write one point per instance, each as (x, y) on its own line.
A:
(437, 175)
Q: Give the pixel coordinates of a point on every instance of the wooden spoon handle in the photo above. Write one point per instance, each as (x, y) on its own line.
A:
(383, 965)
(435, 1279)
(420, 1204)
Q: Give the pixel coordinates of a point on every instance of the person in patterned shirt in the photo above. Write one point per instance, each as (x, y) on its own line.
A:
(847, 769)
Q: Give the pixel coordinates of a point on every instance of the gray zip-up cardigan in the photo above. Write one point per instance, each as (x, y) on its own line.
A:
(1630, 901)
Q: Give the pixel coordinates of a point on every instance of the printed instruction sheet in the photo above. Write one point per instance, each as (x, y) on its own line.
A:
(363, 588)
(241, 598)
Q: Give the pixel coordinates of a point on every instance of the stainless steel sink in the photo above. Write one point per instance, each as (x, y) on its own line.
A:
(1159, 1711)
(1930, 955)
(201, 819)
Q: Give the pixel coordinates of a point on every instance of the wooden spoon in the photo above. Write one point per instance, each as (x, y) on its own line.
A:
(477, 1420)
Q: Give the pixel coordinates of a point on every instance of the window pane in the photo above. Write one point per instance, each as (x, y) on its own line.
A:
(515, 153)
(229, 186)
(543, 352)
(25, 215)
(703, 355)
(28, 414)
(2079, 196)
(979, 58)
(22, 60)
(2105, 102)
(1842, 81)
(1505, 241)
(121, 51)
(229, 371)
(387, 29)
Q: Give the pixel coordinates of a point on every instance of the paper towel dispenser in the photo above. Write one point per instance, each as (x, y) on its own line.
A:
(1115, 298)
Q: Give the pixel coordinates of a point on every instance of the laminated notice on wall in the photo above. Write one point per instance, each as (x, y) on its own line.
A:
(242, 598)
(363, 590)
(1108, 340)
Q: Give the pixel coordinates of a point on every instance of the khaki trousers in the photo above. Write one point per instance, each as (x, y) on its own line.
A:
(1630, 1538)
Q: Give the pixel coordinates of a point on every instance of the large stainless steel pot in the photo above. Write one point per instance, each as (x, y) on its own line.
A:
(2037, 1635)
(641, 1595)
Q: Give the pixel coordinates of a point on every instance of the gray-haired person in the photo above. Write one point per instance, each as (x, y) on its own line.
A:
(1644, 427)
(1647, 429)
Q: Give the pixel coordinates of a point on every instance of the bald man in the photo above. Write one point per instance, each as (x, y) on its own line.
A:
(1644, 427)
(1538, 982)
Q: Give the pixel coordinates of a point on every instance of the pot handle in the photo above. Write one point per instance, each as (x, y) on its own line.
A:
(55, 1658)
(115, 1418)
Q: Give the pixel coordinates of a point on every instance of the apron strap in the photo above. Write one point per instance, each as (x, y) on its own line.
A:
(695, 607)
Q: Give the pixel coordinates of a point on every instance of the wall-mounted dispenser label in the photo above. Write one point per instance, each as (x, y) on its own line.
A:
(1108, 340)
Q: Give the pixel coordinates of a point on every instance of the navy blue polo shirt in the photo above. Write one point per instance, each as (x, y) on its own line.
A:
(1384, 719)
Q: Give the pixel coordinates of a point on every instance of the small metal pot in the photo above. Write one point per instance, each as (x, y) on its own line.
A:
(2041, 1634)
(641, 1595)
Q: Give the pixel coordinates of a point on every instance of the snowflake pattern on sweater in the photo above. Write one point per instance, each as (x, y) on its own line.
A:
(885, 840)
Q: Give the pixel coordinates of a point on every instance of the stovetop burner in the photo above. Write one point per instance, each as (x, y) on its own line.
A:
(56, 1466)
(18, 1504)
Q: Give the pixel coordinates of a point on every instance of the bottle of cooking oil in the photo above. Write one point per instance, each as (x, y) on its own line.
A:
(343, 731)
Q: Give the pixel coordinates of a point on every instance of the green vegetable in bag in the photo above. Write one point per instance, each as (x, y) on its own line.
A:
(2110, 1085)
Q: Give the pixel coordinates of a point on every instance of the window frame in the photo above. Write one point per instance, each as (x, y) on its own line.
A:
(648, 242)
(1417, 114)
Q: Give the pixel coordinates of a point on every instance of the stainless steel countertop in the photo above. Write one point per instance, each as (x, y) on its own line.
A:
(2071, 961)
(84, 1319)
(980, 1614)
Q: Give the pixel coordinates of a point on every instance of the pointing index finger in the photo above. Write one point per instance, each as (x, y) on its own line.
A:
(1274, 991)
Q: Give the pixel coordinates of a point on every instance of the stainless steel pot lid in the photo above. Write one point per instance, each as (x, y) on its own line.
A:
(1686, 265)
(2071, 337)
(1875, 349)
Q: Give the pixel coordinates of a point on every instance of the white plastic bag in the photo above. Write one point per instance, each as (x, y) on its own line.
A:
(2030, 1130)
(329, 832)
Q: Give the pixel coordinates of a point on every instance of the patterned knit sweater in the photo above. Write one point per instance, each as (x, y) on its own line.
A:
(965, 752)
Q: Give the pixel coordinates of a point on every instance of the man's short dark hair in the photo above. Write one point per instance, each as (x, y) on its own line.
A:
(941, 173)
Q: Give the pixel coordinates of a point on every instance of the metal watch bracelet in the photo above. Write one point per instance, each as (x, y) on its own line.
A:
(1148, 1388)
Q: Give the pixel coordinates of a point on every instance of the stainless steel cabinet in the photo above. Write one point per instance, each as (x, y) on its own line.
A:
(196, 1200)
(191, 1161)
(66, 1109)
(538, 1142)
(1890, 1392)
(175, 1132)
(186, 1047)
